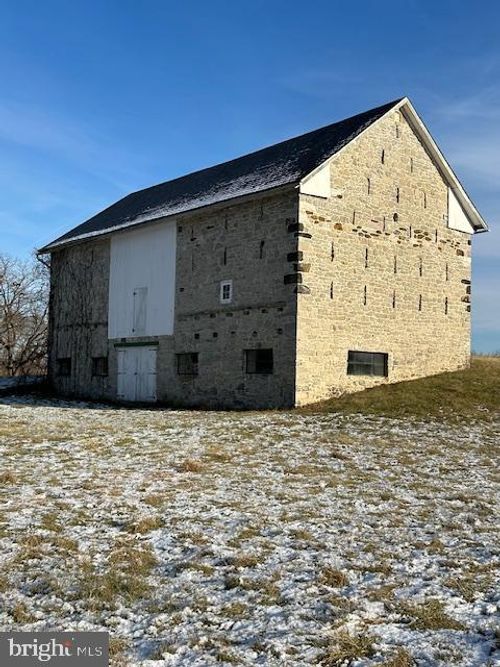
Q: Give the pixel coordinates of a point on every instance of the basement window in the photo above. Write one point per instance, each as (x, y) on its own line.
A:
(226, 291)
(259, 362)
(367, 363)
(64, 367)
(99, 366)
(187, 363)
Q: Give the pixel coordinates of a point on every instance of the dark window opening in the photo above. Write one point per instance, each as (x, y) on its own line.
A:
(187, 363)
(397, 195)
(64, 366)
(420, 267)
(332, 252)
(368, 186)
(411, 165)
(365, 296)
(447, 273)
(382, 157)
(224, 257)
(261, 249)
(259, 361)
(331, 290)
(395, 264)
(367, 363)
(420, 302)
(99, 366)
(446, 306)
(394, 299)
(366, 258)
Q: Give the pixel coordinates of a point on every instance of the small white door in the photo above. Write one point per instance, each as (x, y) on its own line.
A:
(136, 379)
(146, 374)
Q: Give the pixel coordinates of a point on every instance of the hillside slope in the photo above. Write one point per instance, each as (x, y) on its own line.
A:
(473, 393)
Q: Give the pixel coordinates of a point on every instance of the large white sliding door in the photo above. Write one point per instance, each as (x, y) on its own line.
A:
(142, 282)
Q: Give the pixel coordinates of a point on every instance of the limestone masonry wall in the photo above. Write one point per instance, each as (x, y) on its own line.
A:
(78, 324)
(247, 243)
(381, 271)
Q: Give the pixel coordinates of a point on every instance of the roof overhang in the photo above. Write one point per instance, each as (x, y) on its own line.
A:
(133, 224)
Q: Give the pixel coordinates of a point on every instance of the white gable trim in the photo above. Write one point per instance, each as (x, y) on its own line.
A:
(476, 221)
(473, 215)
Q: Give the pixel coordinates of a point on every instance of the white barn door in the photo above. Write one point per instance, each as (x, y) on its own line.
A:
(146, 374)
(136, 380)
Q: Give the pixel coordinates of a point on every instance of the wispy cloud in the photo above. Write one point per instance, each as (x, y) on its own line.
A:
(77, 143)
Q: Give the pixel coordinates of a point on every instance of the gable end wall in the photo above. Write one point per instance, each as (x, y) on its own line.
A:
(383, 229)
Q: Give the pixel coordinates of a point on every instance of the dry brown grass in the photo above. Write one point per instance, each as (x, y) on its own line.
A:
(330, 576)
(400, 659)
(190, 465)
(473, 392)
(8, 477)
(429, 615)
(344, 648)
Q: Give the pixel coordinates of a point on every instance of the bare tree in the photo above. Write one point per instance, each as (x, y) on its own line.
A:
(24, 290)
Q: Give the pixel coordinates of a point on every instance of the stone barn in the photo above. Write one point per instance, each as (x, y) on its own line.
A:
(324, 264)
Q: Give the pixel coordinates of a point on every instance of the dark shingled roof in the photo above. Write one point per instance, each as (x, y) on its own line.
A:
(281, 164)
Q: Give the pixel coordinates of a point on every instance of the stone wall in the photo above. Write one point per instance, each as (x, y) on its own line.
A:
(78, 324)
(381, 271)
(247, 243)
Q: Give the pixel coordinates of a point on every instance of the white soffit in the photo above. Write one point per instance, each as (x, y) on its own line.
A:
(318, 182)
(456, 216)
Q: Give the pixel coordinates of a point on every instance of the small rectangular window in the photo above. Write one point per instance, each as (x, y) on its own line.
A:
(226, 291)
(367, 363)
(64, 367)
(99, 366)
(187, 363)
(259, 361)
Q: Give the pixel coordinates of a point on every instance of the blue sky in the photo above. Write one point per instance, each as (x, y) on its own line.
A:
(102, 98)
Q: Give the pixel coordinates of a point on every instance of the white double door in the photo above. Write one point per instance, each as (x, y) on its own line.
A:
(136, 373)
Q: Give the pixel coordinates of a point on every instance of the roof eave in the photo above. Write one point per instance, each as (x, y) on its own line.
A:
(232, 201)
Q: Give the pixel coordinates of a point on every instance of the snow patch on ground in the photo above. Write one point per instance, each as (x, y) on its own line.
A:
(209, 538)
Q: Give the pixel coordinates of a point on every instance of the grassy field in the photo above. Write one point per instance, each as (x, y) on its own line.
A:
(473, 393)
(288, 538)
